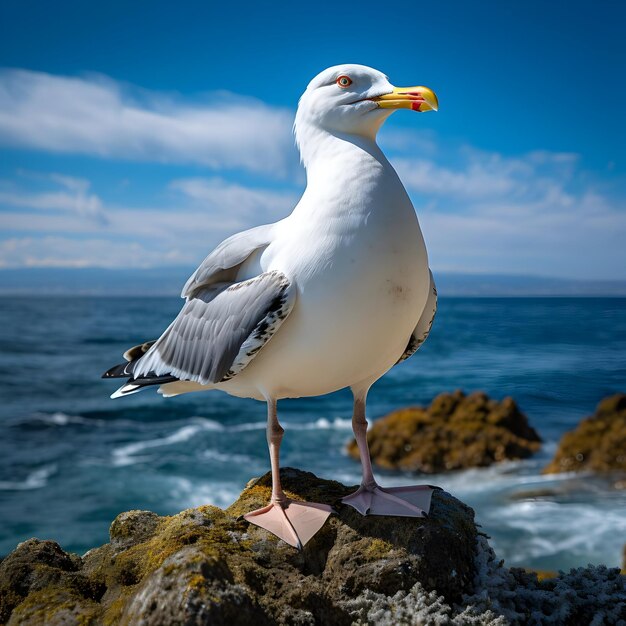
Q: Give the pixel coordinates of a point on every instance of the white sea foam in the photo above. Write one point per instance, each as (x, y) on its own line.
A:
(227, 457)
(189, 494)
(349, 478)
(501, 476)
(126, 455)
(35, 480)
(208, 424)
(239, 428)
(322, 423)
(338, 423)
(60, 419)
(549, 528)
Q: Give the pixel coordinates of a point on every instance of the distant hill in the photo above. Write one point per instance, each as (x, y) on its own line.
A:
(458, 284)
(168, 281)
(164, 281)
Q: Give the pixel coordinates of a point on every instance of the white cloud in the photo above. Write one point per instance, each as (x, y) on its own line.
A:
(427, 177)
(394, 139)
(539, 212)
(100, 117)
(545, 222)
(203, 212)
(487, 174)
(52, 251)
(251, 205)
(75, 198)
(527, 214)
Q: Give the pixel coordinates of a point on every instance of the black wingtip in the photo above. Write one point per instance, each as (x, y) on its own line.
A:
(117, 371)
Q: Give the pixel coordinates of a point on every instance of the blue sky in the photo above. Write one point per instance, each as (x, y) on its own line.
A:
(141, 134)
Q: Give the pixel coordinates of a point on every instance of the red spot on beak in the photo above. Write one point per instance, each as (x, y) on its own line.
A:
(416, 99)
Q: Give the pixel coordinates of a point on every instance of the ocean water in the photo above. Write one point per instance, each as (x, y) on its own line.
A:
(71, 458)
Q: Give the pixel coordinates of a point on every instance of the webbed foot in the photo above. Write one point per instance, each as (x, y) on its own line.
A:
(399, 501)
(292, 521)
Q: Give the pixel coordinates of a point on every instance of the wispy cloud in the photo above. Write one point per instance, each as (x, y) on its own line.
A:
(74, 197)
(55, 251)
(251, 205)
(59, 233)
(481, 174)
(97, 116)
(539, 212)
(535, 213)
(535, 218)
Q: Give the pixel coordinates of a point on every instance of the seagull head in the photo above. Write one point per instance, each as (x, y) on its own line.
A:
(356, 99)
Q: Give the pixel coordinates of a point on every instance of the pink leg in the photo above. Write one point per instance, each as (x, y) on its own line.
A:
(370, 498)
(292, 521)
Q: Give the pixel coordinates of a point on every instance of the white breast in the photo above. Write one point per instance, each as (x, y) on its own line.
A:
(355, 250)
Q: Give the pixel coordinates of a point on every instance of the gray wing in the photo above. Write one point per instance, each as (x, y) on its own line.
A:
(424, 324)
(219, 331)
(222, 264)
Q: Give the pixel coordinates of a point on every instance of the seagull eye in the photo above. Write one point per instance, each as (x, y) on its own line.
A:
(344, 82)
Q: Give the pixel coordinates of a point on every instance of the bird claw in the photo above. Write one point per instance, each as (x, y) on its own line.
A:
(292, 521)
(397, 501)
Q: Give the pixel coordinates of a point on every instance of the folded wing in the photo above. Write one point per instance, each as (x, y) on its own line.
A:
(224, 262)
(220, 330)
(215, 335)
(222, 326)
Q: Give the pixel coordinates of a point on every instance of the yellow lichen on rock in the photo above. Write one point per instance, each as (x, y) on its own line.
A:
(55, 605)
(207, 565)
(455, 432)
(597, 444)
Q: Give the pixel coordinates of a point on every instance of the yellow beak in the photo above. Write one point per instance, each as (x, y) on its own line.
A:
(414, 98)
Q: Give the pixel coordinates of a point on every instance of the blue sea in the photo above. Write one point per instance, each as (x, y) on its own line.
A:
(71, 459)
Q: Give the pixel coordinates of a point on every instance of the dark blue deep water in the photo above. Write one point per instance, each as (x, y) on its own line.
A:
(71, 458)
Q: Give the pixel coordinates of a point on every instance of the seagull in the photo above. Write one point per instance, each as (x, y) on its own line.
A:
(332, 296)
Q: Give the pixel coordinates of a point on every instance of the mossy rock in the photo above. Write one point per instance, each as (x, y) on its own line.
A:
(597, 444)
(207, 565)
(55, 605)
(456, 431)
(36, 570)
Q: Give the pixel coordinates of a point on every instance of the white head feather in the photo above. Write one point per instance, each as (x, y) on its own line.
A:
(326, 107)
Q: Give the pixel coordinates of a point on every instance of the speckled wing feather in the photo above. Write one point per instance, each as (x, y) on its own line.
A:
(219, 331)
(424, 325)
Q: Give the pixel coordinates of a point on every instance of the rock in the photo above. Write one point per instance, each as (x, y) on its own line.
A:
(132, 527)
(501, 597)
(42, 580)
(192, 587)
(206, 565)
(597, 444)
(54, 606)
(455, 432)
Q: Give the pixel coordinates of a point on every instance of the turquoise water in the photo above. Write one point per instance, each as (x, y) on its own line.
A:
(71, 458)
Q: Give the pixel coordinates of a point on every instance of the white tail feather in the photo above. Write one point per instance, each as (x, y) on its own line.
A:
(126, 390)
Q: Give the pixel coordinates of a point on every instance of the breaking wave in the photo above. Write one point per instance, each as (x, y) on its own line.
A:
(35, 480)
